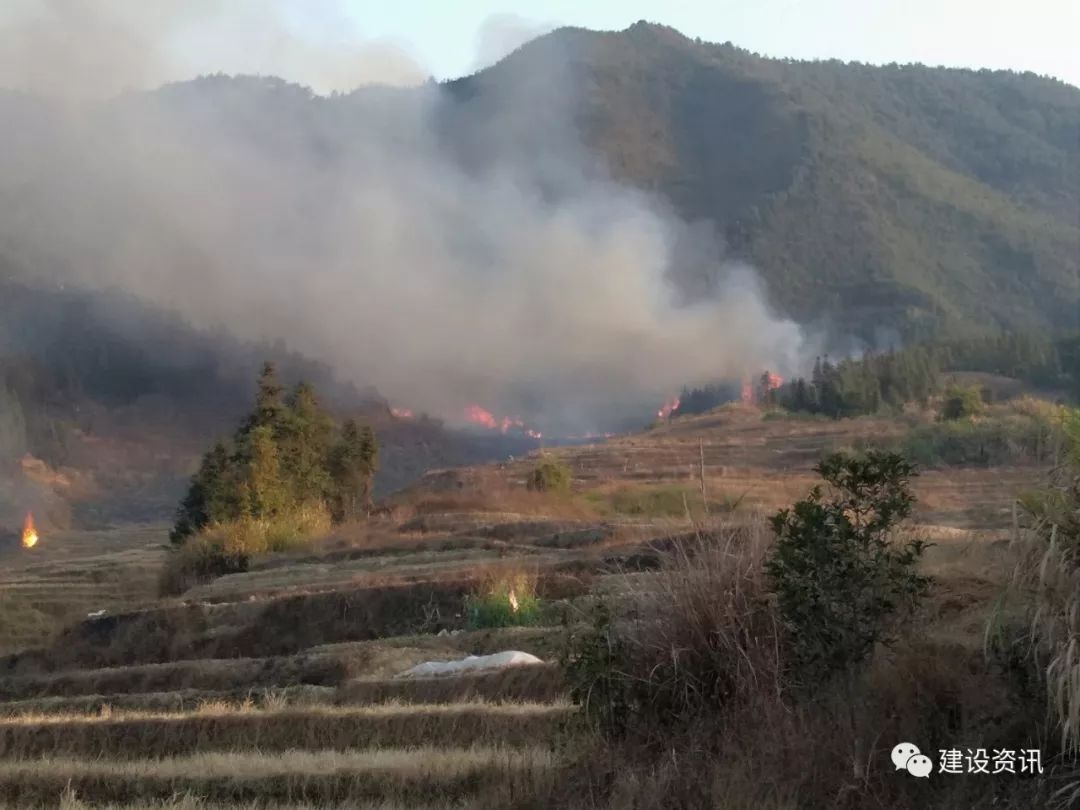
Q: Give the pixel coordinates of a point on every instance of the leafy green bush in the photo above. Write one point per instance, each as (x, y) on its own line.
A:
(962, 402)
(508, 600)
(1007, 439)
(549, 476)
(196, 562)
(839, 577)
(659, 501)
(292, 529)
(225, 548)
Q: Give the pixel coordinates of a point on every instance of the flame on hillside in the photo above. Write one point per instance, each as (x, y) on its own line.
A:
(668, 408)
(29, 532)
(476, 415)
(757, 391)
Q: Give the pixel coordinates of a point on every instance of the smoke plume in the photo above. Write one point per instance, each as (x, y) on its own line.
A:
(445, 245)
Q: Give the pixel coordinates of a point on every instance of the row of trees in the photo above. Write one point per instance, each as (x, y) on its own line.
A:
(854, 386)
(287, 455)
(858, 386)
(864, 385)
(1035, 359)
(701, 400)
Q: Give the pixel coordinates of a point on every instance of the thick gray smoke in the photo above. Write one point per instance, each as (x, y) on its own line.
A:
(447, 251)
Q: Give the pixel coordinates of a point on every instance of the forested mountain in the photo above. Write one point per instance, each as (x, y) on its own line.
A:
(919, 199)
(903, 201)
(925, 199)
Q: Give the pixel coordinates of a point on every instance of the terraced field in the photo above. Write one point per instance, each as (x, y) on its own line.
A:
(280, 687)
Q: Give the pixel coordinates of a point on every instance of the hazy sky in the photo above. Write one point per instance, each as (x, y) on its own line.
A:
(1038, 35)
(79, 47)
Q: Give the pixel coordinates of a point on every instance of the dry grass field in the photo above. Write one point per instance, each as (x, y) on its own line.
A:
(277, 687)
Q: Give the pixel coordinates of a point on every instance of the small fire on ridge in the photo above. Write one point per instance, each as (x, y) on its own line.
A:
(668, 408)
(29, 533)
(476, 415)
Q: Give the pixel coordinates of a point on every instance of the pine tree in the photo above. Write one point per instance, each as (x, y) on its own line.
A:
(829, 389)
(210, 498)
(307, 432)
(266, 488)
(282, 457)
(353, 462)
(269, 407)
(801, 400)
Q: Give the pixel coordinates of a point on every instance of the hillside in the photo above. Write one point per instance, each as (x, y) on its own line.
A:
(874, 201)
(907, 197)
(282, 685)
(106, 404)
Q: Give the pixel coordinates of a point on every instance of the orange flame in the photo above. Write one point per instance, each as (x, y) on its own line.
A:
(758, 390)
(668, 408)
(401, 413)
(486, 419)
(479, 416)
(29, 533)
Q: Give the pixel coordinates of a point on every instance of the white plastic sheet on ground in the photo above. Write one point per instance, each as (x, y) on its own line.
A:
(508, 658)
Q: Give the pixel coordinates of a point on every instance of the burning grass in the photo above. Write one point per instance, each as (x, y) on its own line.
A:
(505, 599)
(29, 532)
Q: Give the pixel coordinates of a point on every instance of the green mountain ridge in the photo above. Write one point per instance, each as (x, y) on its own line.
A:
(929, 200)
(924, 201)
(893, 202)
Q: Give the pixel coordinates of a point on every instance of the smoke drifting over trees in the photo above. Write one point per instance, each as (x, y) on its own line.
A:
(448, 244)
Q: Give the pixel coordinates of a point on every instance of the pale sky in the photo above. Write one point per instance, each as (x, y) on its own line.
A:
(99, 47)
(1038, 35)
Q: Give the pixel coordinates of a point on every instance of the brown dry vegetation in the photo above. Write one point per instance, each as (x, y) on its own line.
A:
(276, 687)
(421, 774)
(716, 725)
(70, 574)
(225, 727)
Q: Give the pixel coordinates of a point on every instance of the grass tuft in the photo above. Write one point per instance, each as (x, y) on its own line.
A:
(504, 600)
